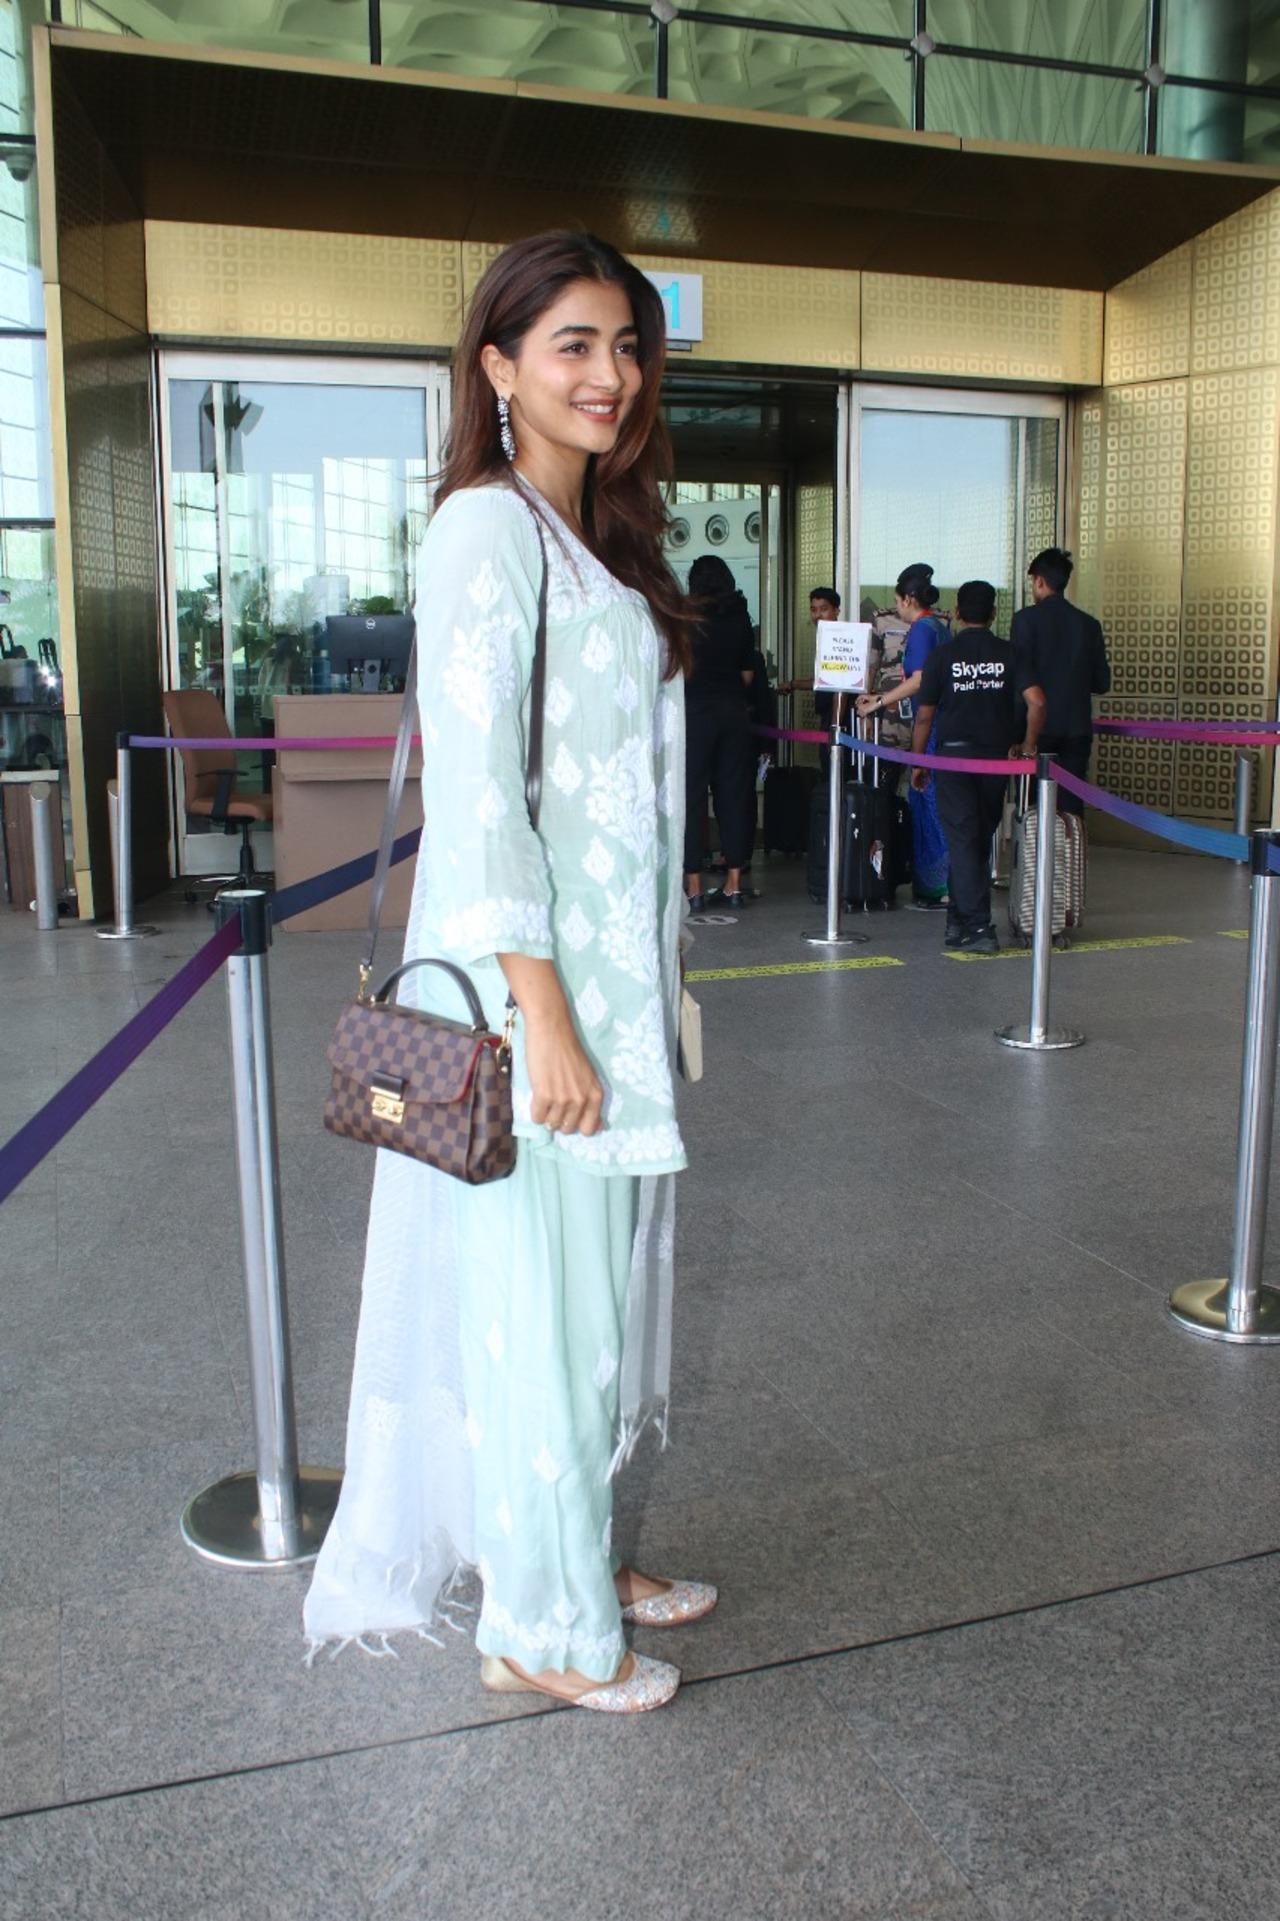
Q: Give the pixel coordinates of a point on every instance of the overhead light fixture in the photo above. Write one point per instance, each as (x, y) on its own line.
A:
(1154, 77)
(664, 11)
(921, 47)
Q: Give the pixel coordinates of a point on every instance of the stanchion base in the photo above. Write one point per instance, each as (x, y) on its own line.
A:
(1054, 1040)
(835, 940)
(129, 933)
(1201, 1307)
(223, 1523)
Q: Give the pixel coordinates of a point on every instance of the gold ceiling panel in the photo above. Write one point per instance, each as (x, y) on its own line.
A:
(1148, 322)
(201, 134)
(1235, 291)
(332, 289)
(980, 330)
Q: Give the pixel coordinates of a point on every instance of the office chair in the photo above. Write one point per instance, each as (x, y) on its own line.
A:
(194, 713)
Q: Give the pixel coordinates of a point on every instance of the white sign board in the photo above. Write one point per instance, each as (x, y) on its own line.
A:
(682, 300)
(842, 656)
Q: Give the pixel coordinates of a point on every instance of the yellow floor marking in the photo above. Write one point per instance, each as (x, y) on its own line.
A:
(1233, 933)
(792, 967)
(1079, 947)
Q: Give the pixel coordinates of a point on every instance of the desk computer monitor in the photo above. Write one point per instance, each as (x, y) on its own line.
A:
(367, 646)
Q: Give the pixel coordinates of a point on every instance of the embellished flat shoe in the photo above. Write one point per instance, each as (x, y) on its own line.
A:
(650, 1684)
(676, 1607)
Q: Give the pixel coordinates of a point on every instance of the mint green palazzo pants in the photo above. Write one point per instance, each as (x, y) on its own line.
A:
(544, 1262)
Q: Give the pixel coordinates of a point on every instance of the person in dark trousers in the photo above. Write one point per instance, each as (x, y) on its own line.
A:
(1066, 656)
(720, 747)
(970, 687)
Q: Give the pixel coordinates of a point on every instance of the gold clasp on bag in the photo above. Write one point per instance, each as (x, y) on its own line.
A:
(386, 1099)
(366, 974)
(504, 1045)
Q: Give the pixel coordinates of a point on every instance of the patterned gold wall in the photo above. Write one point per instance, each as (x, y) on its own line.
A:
(1177, 504)
(973, 330)
(330, 289)
(247, 283)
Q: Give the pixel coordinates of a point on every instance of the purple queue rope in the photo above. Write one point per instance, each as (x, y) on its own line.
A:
(936, 763)
(41, 1134)
(268, 744)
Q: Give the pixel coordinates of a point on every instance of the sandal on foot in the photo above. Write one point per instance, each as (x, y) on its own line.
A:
(675, 1607)
(650, 1684)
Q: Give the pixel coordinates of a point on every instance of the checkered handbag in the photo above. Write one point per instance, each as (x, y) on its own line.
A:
(435, 1089)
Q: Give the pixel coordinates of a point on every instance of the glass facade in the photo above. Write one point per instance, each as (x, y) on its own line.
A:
(1071, 75)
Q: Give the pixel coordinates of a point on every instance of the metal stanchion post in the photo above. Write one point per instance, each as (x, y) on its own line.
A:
(1244, 794)
(43, 798)
(1241, 1309)
(832, 936)
(1036, 1036)
(120, 808)
(277, 1515)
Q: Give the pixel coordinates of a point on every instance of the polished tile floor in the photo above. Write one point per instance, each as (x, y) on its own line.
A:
(998, 1542)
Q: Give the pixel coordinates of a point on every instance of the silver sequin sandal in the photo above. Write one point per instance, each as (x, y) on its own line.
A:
(650, 1684)
(681, 1603)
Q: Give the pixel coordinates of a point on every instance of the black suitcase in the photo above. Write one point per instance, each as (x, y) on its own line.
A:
(867, 868)
(786, 809)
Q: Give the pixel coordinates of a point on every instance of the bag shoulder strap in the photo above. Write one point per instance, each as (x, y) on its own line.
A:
(404, 741)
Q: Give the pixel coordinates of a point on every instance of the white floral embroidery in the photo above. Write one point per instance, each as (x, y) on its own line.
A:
(591, 1004)
(592, 1653)
(485, 588)
(475, 1433)
(558, 704)
(504, 1517)
(597, 650)
(576, 929)
(598, 862)
(480, 676)
(566, 1612)
(666, 798)
(641, 1060)
(490, 926)
(606, 1368)
(631, 1147)
(494, 1342)
(565, 771)
(626, 694)
(431, 731)
(546, 1466)
(606, 1539)
(492, 805)
(382, 1418)
(621, 797)
(628, 936)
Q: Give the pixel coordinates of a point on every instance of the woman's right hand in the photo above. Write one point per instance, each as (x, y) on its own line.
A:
(867, 703)
(567, 1095)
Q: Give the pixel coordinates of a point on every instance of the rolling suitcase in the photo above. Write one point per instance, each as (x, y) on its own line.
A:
(1070, 864)
(787, 792)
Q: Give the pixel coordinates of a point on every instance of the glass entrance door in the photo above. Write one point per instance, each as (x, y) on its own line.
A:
(295, 495)
(972, 484)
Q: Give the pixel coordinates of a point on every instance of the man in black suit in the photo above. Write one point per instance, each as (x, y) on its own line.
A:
(1066, 656)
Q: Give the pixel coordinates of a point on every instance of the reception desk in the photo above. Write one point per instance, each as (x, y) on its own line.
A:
(329, 805)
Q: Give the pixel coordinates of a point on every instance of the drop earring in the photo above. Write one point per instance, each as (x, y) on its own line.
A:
(505, 434)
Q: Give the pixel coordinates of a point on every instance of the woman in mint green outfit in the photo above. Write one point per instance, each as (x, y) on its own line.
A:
(515, 1338)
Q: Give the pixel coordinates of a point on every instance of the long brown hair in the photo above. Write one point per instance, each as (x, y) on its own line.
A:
(624, 513)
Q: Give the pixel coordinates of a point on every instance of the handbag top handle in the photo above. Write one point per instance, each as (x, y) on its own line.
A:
(400, 760)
